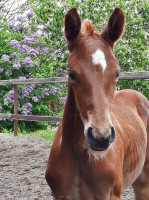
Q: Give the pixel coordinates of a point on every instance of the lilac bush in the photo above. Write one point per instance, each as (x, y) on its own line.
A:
(27, 55)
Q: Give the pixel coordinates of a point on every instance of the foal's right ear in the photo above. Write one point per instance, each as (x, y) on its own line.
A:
(115, 27)
(72, 24)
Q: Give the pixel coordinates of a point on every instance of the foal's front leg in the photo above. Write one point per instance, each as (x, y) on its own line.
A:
(141, 185)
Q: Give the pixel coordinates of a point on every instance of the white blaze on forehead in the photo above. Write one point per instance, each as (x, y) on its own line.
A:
(98, 58)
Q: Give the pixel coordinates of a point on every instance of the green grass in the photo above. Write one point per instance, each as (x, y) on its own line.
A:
(47, 134)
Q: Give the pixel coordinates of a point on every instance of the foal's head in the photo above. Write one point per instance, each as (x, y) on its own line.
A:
(93, 72)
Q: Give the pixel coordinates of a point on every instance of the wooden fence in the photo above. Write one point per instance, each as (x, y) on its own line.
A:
(15, 82)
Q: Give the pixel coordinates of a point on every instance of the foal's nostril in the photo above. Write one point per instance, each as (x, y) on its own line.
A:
(89, 134)
(112, 137)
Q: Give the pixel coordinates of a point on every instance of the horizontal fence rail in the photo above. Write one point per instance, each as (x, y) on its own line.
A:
(31, 117)
(52, 80)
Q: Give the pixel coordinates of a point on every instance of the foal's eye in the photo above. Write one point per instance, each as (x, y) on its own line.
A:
(71, 75)
(117, 75)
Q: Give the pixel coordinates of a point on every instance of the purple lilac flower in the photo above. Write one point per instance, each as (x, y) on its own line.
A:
(11, 25)
(27, 61)
(6, 101)
(35, 99)
(17, 27)
(1, 95)
(24, 48)
(33, 52)
(16, 65)
(1, 70)
(26, 111)
(28, 105)
(30, 15)
(19, 18)
(46, 50)
(18, 55)
(5, 57)
(31, 88)
(54, 90)
(9, 72)
(34, 35)
(46, 91)
(58, 51)
(13, 54)
(27, 108)
(24, 92)
(63, 100)
(29, 41)
(58, 69)
(15, 44)
(10, 96)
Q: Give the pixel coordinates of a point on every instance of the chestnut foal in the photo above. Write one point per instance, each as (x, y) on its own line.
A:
(101, 146)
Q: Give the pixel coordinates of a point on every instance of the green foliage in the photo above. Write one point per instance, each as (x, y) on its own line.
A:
(131, 51)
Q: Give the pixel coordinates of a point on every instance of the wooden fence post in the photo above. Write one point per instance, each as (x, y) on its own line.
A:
(15, 109)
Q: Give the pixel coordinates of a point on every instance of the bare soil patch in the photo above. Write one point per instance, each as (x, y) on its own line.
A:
(23, 162)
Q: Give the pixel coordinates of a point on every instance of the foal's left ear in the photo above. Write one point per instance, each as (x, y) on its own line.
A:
(72, 24)
(115, 27)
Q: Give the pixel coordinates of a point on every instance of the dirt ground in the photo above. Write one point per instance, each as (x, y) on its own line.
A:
(22, 167)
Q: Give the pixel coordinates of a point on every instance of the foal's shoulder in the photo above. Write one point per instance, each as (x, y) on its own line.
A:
(131, 99)
(131, 95)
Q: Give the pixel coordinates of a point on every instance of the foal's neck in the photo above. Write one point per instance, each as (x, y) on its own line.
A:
(72, 125)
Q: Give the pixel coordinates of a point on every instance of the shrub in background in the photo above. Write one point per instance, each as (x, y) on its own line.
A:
(24, 54)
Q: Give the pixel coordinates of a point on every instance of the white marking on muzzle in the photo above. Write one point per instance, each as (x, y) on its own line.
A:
(98, 58)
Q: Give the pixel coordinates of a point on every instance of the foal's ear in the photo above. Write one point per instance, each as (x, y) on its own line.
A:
(115, 27)
(72, 24)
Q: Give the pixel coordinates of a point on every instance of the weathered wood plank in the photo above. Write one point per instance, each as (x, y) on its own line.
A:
(30, 117)
(36, 118)
(5, 116)
(134, 75)
(52, 80)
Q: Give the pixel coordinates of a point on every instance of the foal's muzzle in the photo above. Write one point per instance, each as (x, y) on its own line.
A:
(101, 144)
